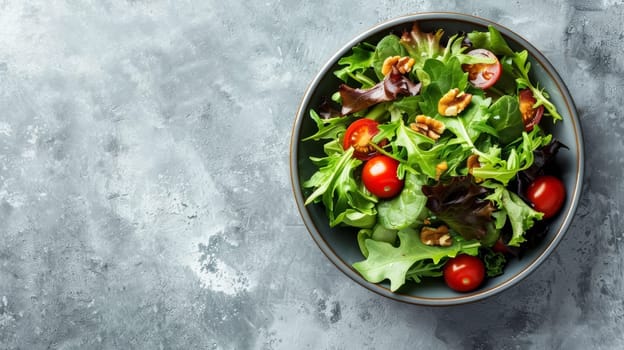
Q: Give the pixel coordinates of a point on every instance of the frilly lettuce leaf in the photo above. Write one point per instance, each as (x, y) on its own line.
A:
(521, 216)
(345, 199)
(386, 261)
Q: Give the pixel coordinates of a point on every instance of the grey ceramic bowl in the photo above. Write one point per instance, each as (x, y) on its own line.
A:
(340, 244)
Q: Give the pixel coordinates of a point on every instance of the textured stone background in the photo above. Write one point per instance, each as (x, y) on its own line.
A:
(145, 199)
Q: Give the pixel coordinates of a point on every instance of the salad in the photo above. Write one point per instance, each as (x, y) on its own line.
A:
(433, 152)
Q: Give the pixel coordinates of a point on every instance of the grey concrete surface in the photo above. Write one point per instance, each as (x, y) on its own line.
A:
(145, 199)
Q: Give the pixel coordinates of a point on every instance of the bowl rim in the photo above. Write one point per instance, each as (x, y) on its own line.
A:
(480, 294)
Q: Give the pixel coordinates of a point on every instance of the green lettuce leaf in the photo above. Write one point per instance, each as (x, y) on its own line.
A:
(408, 208)
(386, 261)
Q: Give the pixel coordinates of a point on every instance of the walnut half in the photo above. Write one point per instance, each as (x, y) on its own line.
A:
(403, 64)
(436, 236)
(428, 126)
(453, 102)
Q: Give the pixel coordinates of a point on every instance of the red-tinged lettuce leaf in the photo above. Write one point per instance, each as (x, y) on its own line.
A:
(461, 206)
(392, 87)
(422, 46)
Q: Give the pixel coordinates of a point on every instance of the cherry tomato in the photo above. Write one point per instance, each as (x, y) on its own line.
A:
(379, 176)
(547, 194)
(483, 75)
(359, 135)
(530, 116)
(500, 247)
(464, 273)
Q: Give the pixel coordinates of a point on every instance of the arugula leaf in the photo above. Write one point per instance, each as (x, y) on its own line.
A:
(408, 208)
(407, 105)
(345, 200)
(385, 261)
(423, 160)
(506, 119)
(521, 216)
(424, 268)
(471, 124)
(520, 158)
(327, 128)
(356, 65)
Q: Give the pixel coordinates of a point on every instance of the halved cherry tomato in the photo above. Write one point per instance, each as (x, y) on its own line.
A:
(379, 175)
(359, 135)
(530, 116)
(547, 194)
(464, 273)
(483, 75)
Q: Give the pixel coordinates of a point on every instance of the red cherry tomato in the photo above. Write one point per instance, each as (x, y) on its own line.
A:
(483, 75)
(500, 247)
(359, 135)
(379, 175)
(464, 273)
(547, 194)
(530, 116)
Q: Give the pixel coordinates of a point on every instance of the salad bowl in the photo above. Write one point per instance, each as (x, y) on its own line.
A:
(339, 242)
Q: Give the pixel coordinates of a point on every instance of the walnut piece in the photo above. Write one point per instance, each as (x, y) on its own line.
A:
(441, 168)
(403, 64)
(436, 236)
(453, 102)
(472, 162)
(428, 126)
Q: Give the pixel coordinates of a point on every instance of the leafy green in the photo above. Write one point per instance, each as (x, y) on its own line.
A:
(491, 40)
(506, 119)
(356, 64)
(419, 158)
(521, 216)
(438, 78)
(424, 268)
(461, 205)
(388, 46)
(383, 234)
(422, 46)
(408, 208)
(327, 128)
(386, 261)
(363, 235)
(345, 200)
(520, 157)
(494, 262)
